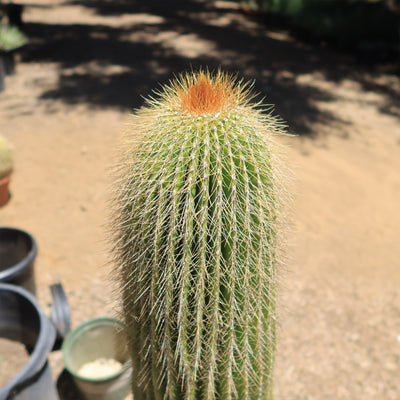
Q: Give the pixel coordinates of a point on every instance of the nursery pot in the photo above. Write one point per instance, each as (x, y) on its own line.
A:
(18, 250)
(14, 13)
(99, 338)
(22, 320)
(4, 190)
(9, 62)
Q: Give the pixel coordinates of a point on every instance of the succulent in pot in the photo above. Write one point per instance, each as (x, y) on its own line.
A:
(195, 240)
(11, 39)
(6, 167)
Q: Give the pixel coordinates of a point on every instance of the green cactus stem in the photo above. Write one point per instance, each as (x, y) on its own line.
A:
(195, 241)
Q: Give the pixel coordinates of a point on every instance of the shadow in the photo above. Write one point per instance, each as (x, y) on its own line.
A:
(111, 7)
(66, 387)
(140, 45)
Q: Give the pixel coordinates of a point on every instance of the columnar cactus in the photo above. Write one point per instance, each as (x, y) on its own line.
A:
(195, 222)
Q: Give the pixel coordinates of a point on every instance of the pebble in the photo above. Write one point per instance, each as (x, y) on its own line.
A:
(99, 368)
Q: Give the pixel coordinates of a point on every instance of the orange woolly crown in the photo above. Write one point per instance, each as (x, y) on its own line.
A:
(202, 93)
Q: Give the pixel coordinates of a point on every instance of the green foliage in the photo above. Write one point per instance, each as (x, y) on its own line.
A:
(195, 241)
(276, 6)
(343, 21)
(6, 160)
(11, 38)
(350, 21)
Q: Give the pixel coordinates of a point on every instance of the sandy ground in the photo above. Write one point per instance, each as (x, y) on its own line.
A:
(88, 63)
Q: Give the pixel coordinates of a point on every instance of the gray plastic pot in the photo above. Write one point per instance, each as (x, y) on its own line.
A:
(18, 250)
(95, 339)
(23, 320)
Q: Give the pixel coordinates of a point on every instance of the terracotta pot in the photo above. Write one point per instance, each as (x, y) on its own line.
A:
(4, 192)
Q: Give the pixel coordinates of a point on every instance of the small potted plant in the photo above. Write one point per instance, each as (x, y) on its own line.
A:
(11, 39)
(96, 356)
(6, 167)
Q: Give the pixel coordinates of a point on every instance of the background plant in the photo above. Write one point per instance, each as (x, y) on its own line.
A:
(349, 23)
(11, 38)
(196, 241)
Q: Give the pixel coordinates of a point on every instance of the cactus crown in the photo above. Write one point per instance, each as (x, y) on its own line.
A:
(204, 97)
(203, 93)
(6, 161)
(195, 233)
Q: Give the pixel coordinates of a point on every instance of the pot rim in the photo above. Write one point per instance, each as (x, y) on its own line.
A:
(42, 347)
(5, 179)
(13, 271)
(82, 328)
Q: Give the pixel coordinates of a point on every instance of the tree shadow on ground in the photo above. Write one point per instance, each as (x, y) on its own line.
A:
(143, 44)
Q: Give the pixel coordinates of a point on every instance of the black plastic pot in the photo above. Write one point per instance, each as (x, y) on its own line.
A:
(18, 250)
(14, 13)
(23, 320)
(9, 62)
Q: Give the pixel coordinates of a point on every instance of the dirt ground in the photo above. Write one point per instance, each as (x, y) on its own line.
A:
(85, 69)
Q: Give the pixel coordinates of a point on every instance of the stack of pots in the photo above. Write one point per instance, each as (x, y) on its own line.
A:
(23, 320)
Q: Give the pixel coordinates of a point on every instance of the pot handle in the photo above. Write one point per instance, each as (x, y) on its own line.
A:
(60, 314)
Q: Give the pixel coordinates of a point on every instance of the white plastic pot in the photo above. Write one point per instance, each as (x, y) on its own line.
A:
(99, 338)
